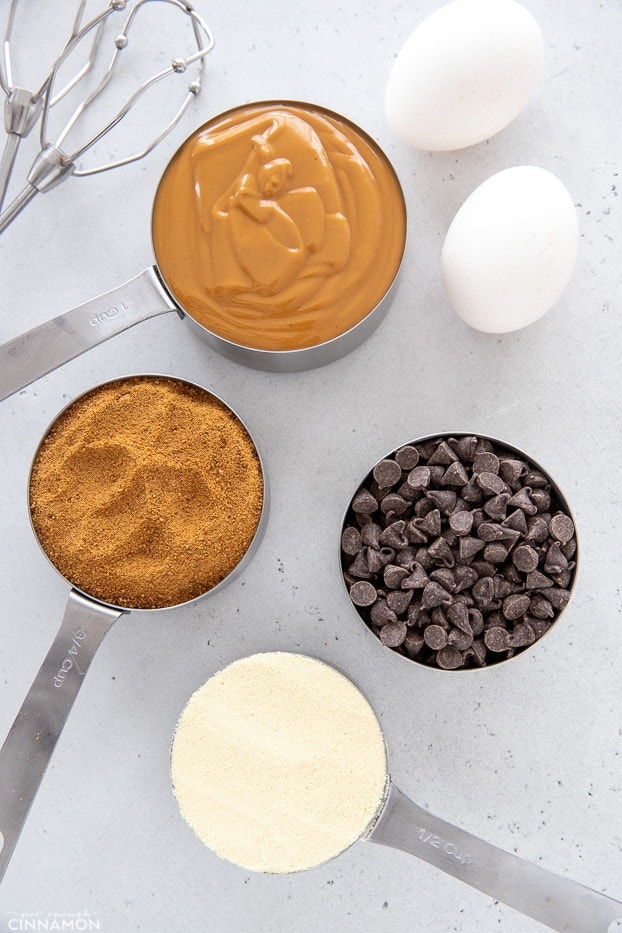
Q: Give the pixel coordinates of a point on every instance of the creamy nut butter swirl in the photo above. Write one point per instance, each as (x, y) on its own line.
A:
(279, 226)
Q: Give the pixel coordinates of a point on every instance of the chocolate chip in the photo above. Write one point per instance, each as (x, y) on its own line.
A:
(535, 479)
(435, 595)
(445, 577)
(443, 499)
(468, 547)
(393, 634)
(363, 593)
(461, 522)
(511, 471)
(537, 529)
(430, 523)
(455, 475)
(476, 619)
(393, 502)
(443, 455)
(413, 643)
(497, 507)
(393, 576)
(387, 473)
(541, 499)
(471, 493)
(370, 534)
(406, 557)
(441, 553)
(484, 591)
(485, 462)
(449, 658)
(459, 639)
(558, 597)
(525, 558)
(465, 447)
(495, 553)
(490, 531)
(490, 483)
(364, 502)
(522, 500)
(359, 567)
(464, 577)
(351, 541)
(516, 521)
(541, 608)
(522, 635)
(380, 613)
(458, 615)
(435, 637)
(537, 581)
(477, 653)
(496, 639)
(555, 562)
(419, 477)
(417, 579)
(515, 606)
(393, 535)
(561, 527)
(399, 600)
(407, 457)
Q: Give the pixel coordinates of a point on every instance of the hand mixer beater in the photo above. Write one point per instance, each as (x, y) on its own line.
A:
(53, 163)
(22, 107)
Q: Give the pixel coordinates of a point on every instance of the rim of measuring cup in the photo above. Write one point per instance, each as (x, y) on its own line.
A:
(259, 530)
(320, 354)
(561, 501)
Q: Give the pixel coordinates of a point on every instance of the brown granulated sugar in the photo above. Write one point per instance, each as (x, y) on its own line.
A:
(146, 492)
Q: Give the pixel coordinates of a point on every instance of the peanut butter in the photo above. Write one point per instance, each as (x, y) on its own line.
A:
(279, 226)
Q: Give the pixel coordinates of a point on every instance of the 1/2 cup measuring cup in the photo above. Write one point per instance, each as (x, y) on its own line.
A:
(135, 452)
(278, 230)
(307, 776)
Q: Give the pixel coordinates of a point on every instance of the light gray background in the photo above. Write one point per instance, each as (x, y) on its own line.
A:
(526, 755)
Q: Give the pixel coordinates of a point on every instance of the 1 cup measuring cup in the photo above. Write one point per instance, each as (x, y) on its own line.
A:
(145, 493)
(458, 551)
(307, 776)
(278, 230)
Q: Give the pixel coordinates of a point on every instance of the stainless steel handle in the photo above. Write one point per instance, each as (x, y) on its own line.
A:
(557, 902)
(28, 747)
(49, 345)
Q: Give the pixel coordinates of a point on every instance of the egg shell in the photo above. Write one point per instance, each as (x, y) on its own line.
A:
(464, 74)
(510, 250)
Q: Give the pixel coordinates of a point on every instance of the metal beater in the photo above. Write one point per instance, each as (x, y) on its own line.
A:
(22, 107)
(53, 164)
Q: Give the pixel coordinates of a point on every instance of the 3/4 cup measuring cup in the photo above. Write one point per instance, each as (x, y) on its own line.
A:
(278, 230)
(140, 467)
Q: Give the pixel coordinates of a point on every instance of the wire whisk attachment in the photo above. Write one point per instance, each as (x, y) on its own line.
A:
(22, 107)
(54, 163)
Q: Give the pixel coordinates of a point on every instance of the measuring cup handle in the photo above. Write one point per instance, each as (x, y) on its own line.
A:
(558, 902)
(49, 345)
(29, 745)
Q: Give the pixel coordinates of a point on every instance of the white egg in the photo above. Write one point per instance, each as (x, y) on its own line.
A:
(510, 250)
(464, 74)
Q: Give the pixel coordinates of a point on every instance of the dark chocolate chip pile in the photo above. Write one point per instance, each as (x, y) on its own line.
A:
(457, 552)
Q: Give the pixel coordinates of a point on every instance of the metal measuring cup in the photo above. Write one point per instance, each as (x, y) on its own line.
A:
(381, 812)
(32, 738)
(396, 641)
(149, 294)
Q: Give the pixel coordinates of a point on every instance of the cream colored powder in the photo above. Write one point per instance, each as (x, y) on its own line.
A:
(278, 762)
